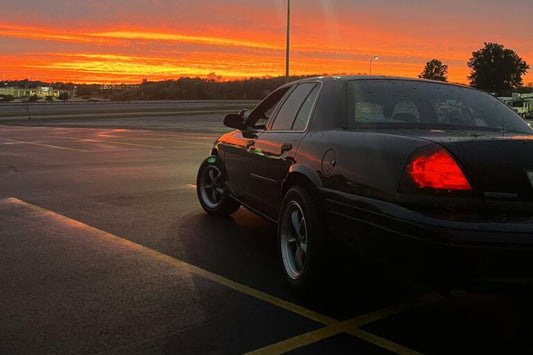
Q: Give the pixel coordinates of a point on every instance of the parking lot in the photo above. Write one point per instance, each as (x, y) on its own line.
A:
(105, 249)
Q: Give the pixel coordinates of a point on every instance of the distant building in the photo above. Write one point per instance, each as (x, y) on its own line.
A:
(40, 91)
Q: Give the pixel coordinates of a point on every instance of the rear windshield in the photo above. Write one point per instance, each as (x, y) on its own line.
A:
(416, 104)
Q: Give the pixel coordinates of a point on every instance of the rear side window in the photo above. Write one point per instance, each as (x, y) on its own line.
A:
(419, 104)
(290, 109)
(305, 111)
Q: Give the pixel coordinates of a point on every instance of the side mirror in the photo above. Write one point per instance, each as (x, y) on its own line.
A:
(234, 120)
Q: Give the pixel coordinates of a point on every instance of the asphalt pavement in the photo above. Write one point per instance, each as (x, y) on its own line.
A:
(105, 249)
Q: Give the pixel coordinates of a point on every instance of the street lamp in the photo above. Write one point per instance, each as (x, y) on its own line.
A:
(288, 42)
(371, 60)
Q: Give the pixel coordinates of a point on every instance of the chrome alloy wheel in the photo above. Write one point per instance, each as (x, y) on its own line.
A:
(212, 186)
(293, 239)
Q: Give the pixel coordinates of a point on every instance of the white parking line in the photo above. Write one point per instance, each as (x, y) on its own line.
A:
(126, 138)
(123, 143)
(43, 145)
(174, 140)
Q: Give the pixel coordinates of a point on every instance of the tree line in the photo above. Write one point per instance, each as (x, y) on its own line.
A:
(201, 89)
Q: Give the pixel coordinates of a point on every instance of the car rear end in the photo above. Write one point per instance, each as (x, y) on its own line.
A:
(463, 204)
(483, 212)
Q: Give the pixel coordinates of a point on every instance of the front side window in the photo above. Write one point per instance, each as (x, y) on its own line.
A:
(412, 104)
(262, 113)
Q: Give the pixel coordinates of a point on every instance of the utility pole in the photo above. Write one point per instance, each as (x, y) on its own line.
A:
(288, 41)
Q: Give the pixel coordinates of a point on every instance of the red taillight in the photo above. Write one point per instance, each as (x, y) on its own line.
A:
(437, 170)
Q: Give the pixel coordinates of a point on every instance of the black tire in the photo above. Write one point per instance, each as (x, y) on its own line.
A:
(300, 209)
(211, 190)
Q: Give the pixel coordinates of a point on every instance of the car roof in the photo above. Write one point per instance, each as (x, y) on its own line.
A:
(344, 78)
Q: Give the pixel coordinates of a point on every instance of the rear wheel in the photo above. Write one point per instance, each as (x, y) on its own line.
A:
(211, 190)
(301, 235)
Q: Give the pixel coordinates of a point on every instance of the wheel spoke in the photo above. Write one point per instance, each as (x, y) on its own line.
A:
(212, 175)
(220, 190)
(295, 221)
(302, 228)
(299, 258)
(214, 196)
(304, 247)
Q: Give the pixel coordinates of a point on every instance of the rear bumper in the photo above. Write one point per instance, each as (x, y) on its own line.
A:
(477, 252)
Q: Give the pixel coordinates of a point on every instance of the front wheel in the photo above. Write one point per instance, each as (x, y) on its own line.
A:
(211, 190)
(300, 240)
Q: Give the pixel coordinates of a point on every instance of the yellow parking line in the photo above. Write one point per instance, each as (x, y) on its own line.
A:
(351, 327)
(320, 334)
(182, 265)
(298, 341)
(44, 145)
(382, 342)
(332, 326)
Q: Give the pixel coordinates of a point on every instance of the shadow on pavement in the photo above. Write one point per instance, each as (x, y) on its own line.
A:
(243, 248)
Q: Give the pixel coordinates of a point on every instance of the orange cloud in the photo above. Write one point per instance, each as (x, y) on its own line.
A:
(183, 38)
(129, 55)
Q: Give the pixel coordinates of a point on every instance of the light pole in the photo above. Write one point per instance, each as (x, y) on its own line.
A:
(288, 41)
(371, 60)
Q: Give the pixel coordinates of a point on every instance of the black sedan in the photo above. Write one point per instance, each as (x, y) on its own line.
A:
(424, 175)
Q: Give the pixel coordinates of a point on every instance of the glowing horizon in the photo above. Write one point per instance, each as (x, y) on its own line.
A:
(108, 43)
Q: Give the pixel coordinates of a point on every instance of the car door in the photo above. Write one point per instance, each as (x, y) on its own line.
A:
(236, 146)
(274, 150)
(234, 150)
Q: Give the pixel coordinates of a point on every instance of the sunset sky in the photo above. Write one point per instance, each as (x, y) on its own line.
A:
(113, 41)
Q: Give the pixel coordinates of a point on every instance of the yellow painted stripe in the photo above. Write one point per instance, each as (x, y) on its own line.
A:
(182, 265)
(298, 341)
(44, 145)
(382, 342)
(351, 327)
(332, 327)
(317, 335)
